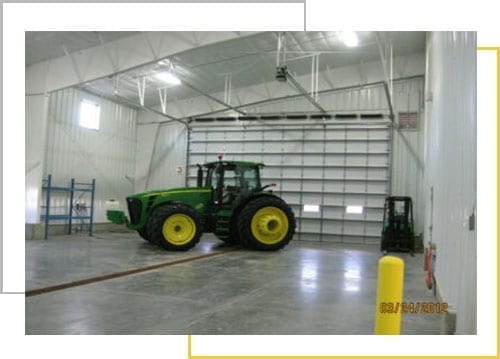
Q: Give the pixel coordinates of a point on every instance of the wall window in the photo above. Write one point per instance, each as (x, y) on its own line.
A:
(90, 112)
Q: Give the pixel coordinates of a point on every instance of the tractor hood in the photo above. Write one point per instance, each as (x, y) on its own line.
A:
(170, 192)
(141, 204)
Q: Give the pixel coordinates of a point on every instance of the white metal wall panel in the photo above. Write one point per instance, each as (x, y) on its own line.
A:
(36, 132)
(327, 165)
(407, 171)
(451, 169)
(169, 154)
(370, 98)
(107, 154)
(161, 149)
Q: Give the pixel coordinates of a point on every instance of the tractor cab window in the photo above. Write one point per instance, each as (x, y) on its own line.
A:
(231, 181)
(250, 178)
(232, 185)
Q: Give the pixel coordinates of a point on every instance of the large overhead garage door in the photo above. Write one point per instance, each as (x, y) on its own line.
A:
(335, 176)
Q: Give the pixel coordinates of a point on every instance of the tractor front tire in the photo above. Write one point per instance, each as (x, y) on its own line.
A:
(144, 234)
(175, 227)
(266, 223)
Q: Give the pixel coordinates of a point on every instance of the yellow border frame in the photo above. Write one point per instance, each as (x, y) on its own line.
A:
(490, 48)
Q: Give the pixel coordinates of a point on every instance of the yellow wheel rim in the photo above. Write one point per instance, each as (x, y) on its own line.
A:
(269, 225)
(179, 229)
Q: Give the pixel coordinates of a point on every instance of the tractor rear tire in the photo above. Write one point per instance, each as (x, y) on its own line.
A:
(266, 223)
(175, 227)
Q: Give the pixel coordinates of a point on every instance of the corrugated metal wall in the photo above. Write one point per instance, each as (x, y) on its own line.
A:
(450, 170)
(107, 154)
(407, 158)
(167, 169)
(162, 150)
(36, 132)
(360, 99)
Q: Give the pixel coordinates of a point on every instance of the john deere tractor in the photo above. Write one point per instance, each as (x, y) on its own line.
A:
(229, 201)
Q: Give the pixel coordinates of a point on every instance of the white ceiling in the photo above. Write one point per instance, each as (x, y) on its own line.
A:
(250, 60)
(45, 45)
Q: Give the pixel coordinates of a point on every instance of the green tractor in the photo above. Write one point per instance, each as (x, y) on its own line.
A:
(229, 202)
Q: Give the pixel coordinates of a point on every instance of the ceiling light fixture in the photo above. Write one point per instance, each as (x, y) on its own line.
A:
(350, 38)
(168, 78)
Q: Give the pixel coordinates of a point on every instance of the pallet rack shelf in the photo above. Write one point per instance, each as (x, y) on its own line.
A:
(74, 209)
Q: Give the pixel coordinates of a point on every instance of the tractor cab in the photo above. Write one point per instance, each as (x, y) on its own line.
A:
(231, 181)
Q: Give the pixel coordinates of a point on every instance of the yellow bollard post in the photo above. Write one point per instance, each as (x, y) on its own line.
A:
(389, 295)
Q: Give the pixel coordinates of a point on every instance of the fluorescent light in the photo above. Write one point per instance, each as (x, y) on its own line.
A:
(311, 208)
(168, 78)
(350, 38)
(354, 209)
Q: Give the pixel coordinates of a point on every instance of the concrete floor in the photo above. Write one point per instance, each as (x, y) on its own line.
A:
(307, 288)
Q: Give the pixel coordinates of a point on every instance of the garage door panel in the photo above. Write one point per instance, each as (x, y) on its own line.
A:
(334, 186)
(271, 158)
(335, 173)
(332, 227)
(194, 159)
(377, 173)
(376, 201)
(316, 148)
(379, 146)
(311, 198)
(379, 133)
(311, 185)
(356, 187)
(356, 146)
(198, 147)
(334, 147)
(271, 172)
(378, 160)
(290, 185)
(355, 173)
(374, 229)
(335, 135)
(290, 147)
(310, 237)
(309, 225)
(332, 167)
(373, 240)
(354, 160)
(333, 212)
(376, 187)
(355, 198)
(289, 197)
(287, 158)
(374, 214)
(353, 228)
(333, 199)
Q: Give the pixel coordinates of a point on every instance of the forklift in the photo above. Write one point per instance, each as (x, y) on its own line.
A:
(397, 230)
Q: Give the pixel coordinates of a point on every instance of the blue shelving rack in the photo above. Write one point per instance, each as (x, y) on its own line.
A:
(75, 211)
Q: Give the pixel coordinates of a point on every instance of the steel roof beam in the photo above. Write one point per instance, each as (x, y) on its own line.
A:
(203, 93)
(290, 97)
(304, 92)
(59, 73)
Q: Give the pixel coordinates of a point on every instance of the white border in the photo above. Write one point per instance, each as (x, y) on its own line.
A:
(21, 17)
